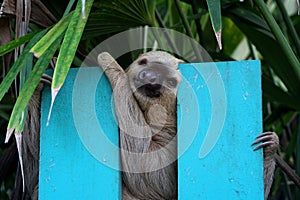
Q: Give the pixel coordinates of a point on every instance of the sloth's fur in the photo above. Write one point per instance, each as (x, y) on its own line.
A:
(146, 112)
(145, 105)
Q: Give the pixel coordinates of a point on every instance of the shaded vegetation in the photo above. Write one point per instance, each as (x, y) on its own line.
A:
(255, 29)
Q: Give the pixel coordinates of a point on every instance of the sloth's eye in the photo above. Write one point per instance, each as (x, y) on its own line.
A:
(143, 62)
(172, 82)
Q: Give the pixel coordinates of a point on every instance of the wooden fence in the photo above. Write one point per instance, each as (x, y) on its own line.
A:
(219, 115)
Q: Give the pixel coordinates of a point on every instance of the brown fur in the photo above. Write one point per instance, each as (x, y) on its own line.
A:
(269, 162)
(147, 127)
(31, 144)
(135, 110)
(147, 131)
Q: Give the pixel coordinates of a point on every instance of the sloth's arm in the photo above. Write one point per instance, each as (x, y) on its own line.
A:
(135, 132)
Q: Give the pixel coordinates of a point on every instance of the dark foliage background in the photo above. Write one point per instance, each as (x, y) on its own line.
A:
(254, 29)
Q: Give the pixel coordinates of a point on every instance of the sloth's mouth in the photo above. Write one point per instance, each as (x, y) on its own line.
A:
(151, 90)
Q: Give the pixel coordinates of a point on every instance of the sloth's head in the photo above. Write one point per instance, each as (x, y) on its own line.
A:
(154, 74)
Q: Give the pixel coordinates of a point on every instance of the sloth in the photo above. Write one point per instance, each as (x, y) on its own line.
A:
(145, 106)
(145, 102)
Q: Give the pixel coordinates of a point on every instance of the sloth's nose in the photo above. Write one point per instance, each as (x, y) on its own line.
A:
(148, 76)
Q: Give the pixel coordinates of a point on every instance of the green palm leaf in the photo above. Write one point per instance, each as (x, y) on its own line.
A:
(51, 36)
(119, 15)
(16, 43)
(264, 40)
(19, 64)
(214, 8)
(17, 118)
(69, 46)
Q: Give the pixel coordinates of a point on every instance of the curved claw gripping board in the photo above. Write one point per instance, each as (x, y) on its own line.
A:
(219, 115)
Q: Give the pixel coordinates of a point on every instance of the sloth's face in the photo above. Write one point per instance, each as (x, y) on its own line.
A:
(152, 78)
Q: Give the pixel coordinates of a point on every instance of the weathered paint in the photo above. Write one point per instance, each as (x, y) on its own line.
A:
(214, 142)
(79, 148)
(69, 166)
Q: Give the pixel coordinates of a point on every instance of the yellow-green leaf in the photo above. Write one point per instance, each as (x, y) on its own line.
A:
(69, 47)
(17, 116)
(56, 31)
(20, 62)
(4, 49)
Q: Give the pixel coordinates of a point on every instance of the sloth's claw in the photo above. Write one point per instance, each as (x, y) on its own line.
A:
(268, 141)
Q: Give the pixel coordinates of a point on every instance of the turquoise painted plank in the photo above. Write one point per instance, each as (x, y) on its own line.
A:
(79, 155)
(219, 116)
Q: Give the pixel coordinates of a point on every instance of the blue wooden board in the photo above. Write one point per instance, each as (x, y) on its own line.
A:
(219, 116)
(79, 157)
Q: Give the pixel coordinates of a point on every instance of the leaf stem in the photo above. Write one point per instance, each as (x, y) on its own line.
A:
(295, 65)
(290, 26)
(197, 22)
(187, 29)
(168, 37)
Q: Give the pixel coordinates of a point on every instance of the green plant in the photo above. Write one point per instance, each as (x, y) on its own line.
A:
(257, 29)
